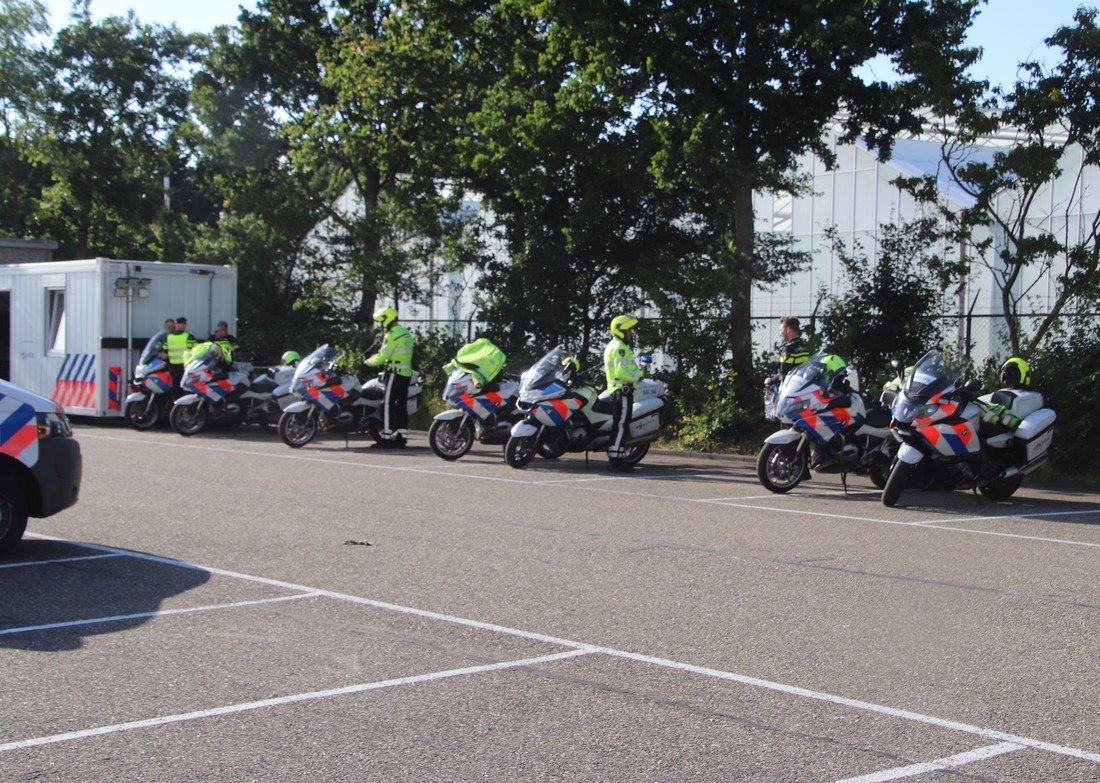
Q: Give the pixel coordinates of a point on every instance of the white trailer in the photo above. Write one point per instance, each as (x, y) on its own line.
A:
(72, 330)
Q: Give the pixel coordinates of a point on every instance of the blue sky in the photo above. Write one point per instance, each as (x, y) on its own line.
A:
(1008, 30)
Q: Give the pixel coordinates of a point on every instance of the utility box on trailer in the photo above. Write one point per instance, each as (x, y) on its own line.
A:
(72, 330)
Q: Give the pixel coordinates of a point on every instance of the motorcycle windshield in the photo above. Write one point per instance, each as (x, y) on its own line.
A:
(205, 358)
(930, 376)
(546, 371)
(798, 386)
(312, 370)
(153, 347)
(803, 377)
(457, 384)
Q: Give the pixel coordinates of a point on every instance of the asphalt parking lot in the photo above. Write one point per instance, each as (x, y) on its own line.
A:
(224, 608)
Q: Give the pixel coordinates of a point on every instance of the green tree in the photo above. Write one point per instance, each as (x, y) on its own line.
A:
(887, 311)
(113, 106)
(22, 71)
(266, 208)
(736, 92)
(1031, 222)
(358, 84)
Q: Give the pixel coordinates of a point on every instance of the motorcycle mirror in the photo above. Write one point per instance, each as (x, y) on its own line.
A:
(973, 385)
(899, 368)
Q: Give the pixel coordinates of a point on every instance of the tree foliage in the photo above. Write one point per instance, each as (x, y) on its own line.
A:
(888, 309)
(111, 134)
(1030, 222)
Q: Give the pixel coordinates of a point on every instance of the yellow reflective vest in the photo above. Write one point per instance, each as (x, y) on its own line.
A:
(177, 344)
(619, 366)
(396, 352)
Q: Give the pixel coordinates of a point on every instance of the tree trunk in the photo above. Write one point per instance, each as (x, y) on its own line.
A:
(372, 242)
(740, 293)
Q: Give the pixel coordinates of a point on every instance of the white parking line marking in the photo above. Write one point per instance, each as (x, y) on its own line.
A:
(958, 760)
(291, 699)
(792, 690)
(1031, 515)
(160, 613)
(59, 560)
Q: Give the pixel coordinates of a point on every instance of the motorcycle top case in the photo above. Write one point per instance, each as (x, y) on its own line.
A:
(1021, 403)
(482, 357)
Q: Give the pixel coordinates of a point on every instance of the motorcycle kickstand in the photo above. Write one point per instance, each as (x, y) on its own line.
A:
(844, 480)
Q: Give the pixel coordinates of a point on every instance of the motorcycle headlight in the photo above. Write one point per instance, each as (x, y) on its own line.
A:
(53, 425)
(906, 411)
(792, 408)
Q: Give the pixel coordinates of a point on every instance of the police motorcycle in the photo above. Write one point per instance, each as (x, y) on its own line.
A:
(268, 395)
(216, 390)
(945, 444)
(331, 400)
(151, 398)
(827, 428)
(564, 413)
(484, 405)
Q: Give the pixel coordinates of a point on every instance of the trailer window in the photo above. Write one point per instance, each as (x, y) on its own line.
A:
(55, 326)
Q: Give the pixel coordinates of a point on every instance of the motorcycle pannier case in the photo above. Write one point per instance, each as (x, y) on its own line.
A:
(482, 358)
(1034, 436)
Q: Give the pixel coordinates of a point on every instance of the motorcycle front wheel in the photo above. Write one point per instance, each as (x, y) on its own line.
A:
(780, 467)
(895, 485)
(142, 414)
(518, 452)
(451, 438)
(188, 420)
(297, 429)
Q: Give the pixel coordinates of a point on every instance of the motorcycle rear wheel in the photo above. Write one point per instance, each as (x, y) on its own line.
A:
(188, 420)
(635, 454)
(1002, 489)
(553, 446)
(780, 467)
(895, 485)
(518, 452)
(297, 429)
(879, 473)
(451, 438)
(268, 419)
(142, 414)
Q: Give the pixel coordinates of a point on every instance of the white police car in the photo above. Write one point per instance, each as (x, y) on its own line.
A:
(40, 462)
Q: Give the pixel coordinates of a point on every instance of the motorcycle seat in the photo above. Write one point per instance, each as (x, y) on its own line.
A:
(1018, 402)
(491, 386)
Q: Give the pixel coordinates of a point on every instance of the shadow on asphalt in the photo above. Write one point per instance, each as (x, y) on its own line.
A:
(43, 595)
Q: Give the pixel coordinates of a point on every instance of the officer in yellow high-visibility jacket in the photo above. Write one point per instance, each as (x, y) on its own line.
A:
(395, 357)
(792, 353)
(177, 344)
(621, 371)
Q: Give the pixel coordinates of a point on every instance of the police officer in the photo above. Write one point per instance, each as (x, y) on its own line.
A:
(178, 343)
(1015, 374)
(227, 341)
(621, 371)
(792, 351)
(395, 357)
